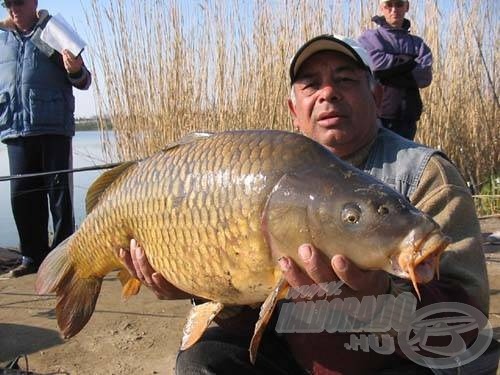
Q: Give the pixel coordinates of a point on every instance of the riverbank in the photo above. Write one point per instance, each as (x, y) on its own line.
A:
(140, 336)
(89, 124)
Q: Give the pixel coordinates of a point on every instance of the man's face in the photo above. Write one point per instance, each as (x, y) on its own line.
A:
(334, 104)
(394, 12)
(23, 13)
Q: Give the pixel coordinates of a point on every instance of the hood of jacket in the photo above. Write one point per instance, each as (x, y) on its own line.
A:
(380, 20)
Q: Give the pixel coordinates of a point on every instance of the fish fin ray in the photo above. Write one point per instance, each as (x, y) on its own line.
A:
(188, 138)
(101, 184)
(130, 285)
(266, 310)
(54, 269)
(199, 318)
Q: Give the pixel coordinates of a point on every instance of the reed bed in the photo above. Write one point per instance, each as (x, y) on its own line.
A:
(166, 68)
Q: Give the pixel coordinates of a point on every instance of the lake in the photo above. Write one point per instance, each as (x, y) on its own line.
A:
(87, 151)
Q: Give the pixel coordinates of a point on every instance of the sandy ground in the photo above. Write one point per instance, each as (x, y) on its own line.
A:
(139, 336)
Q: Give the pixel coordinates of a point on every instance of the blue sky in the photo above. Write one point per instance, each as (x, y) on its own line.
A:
(73, 12)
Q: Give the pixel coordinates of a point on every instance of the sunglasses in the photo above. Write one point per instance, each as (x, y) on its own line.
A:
(9, 3)
(394, 4)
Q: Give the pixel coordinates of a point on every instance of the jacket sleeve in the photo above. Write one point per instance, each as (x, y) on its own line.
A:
(423, 70)
(82, 79)
(381, 58)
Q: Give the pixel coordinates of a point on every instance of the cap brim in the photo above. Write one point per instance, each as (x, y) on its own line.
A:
(323, 43)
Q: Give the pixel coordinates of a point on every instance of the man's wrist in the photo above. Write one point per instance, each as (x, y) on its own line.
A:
(77, 75)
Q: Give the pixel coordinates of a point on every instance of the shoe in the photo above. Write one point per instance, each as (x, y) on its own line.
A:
(21, 270)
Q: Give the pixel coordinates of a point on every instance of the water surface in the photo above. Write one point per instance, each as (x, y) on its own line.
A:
(87, 151)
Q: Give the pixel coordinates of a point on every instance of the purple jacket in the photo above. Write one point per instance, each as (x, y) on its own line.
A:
(403, 64)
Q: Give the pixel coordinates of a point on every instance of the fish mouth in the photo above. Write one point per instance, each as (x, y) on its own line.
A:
(419, 258)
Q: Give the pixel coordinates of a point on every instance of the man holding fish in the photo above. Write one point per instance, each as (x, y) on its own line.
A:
(334, 101)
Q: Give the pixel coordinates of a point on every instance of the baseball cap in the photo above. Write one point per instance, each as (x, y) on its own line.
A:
(330, 42)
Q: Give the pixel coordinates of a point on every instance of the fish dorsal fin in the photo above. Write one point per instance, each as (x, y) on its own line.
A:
(188, 138)
(279, 292)
(198, 320)
(101, 183)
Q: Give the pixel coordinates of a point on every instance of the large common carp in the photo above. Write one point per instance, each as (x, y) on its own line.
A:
(214, 213)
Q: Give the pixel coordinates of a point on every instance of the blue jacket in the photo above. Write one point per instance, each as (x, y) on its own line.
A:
(36, 92)
(403, 64)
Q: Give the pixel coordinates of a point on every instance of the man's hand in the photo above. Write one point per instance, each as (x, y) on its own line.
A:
(138, 266)
(72, 64)
(403, 59)
(320, 270)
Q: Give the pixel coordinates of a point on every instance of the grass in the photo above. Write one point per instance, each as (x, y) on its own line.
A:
(170, 68)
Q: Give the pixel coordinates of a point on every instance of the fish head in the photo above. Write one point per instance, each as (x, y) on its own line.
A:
(342, 210)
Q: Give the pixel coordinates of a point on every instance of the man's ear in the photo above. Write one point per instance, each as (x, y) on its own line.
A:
(293, 113)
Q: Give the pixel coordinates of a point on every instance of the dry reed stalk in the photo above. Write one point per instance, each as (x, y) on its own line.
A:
(167, 68)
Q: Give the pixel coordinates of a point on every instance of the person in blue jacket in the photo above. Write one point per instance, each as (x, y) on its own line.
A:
(37, 125)
(402, 64)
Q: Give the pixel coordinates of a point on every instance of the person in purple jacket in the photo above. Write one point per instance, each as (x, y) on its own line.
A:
(402, 64)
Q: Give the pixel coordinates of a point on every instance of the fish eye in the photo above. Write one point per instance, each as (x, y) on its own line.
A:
(382, 210)
(351, 213)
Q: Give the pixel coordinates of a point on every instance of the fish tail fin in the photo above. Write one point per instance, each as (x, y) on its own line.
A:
(76, 296)
(130, 285)
(54, 269)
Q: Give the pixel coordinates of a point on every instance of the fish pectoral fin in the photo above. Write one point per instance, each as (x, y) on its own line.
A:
(266, 310)
(198, 320)
(130, 285)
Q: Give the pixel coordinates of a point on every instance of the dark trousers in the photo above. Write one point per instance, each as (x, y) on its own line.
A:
(31, 197)
(220, 352)
(406, 129)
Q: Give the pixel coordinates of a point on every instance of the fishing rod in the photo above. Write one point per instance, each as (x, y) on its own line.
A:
(62, 171)
(187, 139)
